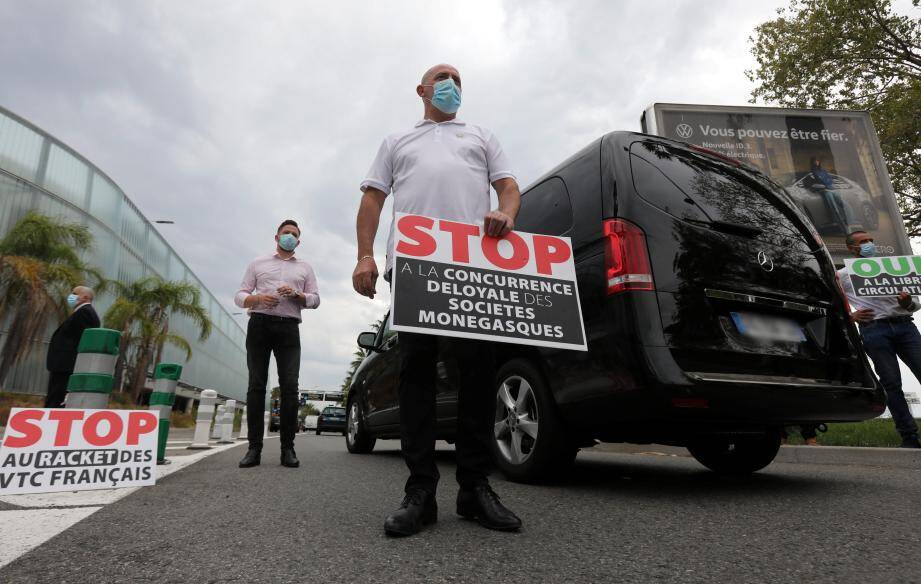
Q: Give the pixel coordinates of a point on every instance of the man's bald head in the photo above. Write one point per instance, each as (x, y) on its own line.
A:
(450, 71)
(84, 294)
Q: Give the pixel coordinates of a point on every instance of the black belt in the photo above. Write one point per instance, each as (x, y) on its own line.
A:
(890, 320)
(273, 318)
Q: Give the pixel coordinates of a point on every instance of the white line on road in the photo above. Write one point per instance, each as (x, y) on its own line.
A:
(22, 530)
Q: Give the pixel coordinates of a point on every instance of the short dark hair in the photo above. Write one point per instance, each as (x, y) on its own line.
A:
(850, 239)
(289, 222)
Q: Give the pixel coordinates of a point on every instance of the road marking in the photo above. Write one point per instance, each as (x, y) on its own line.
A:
(22, 531)
(45, 515)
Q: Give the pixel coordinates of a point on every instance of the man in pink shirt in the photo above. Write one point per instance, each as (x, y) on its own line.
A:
(275, 289)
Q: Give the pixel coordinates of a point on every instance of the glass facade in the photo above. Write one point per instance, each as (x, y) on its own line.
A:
(37, 172)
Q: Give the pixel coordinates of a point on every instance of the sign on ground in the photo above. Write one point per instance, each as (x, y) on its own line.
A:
(886, 276)
(50, 450)
(451, 280)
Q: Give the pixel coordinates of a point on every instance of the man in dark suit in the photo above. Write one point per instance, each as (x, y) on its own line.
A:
(62, 352)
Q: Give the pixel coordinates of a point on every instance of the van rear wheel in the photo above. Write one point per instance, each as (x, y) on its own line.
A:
(529, 440)
(736, 455)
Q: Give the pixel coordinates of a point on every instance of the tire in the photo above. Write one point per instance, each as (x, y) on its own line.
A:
(318, 431)
(357, 438)
(529, 441)
(736, 456)
(869, 216)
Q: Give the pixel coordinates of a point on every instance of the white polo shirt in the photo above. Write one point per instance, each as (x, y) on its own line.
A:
(882, 307)
(441, 170)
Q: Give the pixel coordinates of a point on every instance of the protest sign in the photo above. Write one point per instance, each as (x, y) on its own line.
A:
(451, 280)
(885, 276)
(49, 450)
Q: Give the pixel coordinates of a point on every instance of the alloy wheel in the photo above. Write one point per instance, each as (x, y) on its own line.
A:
(517, 419)
(353, 423)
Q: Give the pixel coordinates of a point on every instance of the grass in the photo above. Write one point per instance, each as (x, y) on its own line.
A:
(878, 432)
(17, 400)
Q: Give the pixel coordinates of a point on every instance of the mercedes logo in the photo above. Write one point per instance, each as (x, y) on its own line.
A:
(684, 131)
(765, 262)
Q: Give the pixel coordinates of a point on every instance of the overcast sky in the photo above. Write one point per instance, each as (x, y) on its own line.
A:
(228, 117)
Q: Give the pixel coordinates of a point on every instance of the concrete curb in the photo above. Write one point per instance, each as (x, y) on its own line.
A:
(832, 455)
(852, 455)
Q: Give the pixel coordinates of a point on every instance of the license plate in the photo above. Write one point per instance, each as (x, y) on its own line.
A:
(768, 328)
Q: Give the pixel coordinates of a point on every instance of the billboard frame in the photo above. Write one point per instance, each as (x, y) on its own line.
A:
(652, 119)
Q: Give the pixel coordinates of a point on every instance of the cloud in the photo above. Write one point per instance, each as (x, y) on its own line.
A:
(230, 116)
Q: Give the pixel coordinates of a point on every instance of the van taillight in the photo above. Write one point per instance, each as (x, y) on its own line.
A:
(626, 258)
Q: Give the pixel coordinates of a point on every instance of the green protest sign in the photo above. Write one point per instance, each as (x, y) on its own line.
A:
(885, 276)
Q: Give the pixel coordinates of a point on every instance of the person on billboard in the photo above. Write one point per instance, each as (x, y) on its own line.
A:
(441, 167)
(275, 289)
(62, 351)
(838, 208)
(889, 334)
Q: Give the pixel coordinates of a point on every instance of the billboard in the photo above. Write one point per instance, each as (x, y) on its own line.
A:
(828, 160)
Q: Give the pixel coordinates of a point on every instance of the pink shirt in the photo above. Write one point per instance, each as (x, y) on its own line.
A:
(266, 274)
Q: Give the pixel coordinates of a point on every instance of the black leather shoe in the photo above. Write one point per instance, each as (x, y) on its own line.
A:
(482, 504)
(253, 457)
(289, 459)
(910, 442)
(417, 509)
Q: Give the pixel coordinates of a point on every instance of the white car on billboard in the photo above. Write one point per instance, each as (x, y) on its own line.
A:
(809, 193)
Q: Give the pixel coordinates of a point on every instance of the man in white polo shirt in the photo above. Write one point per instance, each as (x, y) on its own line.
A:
(443, 168)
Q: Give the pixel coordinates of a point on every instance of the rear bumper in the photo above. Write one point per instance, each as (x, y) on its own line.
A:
(331, 426)
(667, 404)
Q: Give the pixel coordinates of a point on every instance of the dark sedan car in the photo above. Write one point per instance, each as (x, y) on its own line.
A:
(331, 419)
(711, 309)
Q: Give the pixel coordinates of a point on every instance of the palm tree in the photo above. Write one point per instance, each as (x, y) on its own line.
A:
(39, 264)
(357, 357)
(142, 312)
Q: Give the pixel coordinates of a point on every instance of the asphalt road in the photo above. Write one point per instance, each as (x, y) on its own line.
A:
(616, 518)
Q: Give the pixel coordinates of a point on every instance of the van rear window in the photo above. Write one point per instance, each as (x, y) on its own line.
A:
(688, 186)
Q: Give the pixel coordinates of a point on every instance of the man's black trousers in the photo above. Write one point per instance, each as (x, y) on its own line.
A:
(266, 335)
(57, 388)
(475, 409)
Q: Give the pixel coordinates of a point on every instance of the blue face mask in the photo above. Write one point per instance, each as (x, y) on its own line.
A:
(446, 96)
(868, 249)
(287, 242)
(72, 300)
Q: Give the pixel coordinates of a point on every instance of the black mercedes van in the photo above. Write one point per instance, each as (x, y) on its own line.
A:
(712, 314)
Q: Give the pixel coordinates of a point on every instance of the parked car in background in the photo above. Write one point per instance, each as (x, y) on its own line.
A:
(807, 192)
(309, 422)
(331, 419)
(712, 314)
(275, 416)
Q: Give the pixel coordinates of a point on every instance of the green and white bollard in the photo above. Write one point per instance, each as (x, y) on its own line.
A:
(166, 376)
(93, 378)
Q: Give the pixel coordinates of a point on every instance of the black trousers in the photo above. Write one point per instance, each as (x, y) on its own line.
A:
(476, 409)
(266, 335)
(57, 388)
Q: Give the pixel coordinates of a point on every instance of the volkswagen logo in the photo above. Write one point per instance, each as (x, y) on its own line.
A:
(765, 262)
(684, 131)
